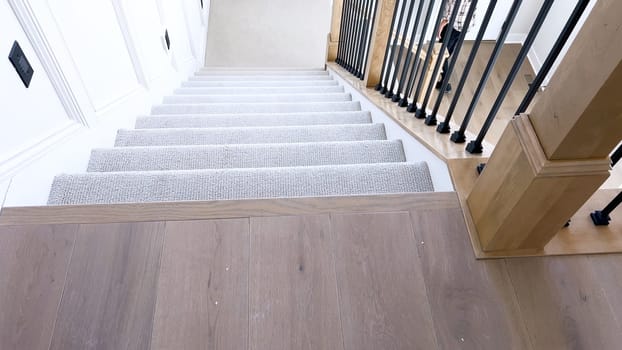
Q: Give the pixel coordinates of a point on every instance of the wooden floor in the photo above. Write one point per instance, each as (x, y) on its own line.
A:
(386, 279)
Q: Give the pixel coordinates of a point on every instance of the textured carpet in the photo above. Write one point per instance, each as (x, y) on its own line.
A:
(244, 156)
(220, 108)
(259, 90)
(247, 133)
(274, 98)
(165, 186)
(250, 119)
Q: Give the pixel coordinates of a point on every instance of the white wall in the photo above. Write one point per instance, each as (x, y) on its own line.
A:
(98, 64)
(285, 33)
(28, 116)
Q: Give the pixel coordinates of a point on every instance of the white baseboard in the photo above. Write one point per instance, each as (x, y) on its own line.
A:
(516, 38)
(413, 149)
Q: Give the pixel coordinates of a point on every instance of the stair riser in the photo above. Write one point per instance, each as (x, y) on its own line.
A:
(338, 97)
(248, 120)
(259, 91)
(260, 78)
(244, 156)
(313, 83)
(222, 136)
(222, 108)
(342, 180)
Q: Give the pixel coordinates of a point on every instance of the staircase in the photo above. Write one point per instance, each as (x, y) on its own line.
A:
(241, 134)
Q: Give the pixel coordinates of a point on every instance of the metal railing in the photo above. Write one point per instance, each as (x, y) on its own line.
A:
(357, 21)
(414, 57)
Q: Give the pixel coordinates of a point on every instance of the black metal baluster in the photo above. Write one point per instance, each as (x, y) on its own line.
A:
(398, 61)
(352, 46)
(415, 69)
(350, 35)
(458, 136)
(449, 27)
(431, 119)
(409, 56)
(341, 33)
(385, 62)
(347, 32)
(366, 13)
(550, 59)
(601, 217)
(475, 146)
(357, 37)
(413, 106)
(368, 41)
(443, 127)
(385, 84)
(616, 156)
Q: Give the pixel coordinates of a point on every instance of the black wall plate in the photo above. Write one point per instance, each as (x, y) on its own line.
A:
(167, 39)
(21, 64)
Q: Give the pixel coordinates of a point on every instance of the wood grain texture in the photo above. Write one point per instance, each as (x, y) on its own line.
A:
(199, 210)
(563, 304)
(381, 287)
(293, 293)
(473, 302)
(33, 266)
(110, 293)
(378, 42)
(590, 77)
(203, 286)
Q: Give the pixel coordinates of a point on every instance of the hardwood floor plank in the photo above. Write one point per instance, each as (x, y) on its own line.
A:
(563, 304)
(473, 302)
(110, 293)
(293, 293)
(382, 294)
(203, 286)
(33, 266)
(607, 270)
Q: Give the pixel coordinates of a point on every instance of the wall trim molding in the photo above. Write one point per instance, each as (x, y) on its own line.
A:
(32, 28)
(28, 154)
(132, 49)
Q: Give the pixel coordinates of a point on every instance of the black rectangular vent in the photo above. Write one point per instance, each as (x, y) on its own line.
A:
(21, 64)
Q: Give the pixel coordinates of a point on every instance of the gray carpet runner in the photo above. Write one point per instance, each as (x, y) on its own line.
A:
(251, 119)
(242, 134)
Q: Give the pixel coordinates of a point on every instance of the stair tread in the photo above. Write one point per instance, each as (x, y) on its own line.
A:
(259, 77)
(222, 184)
(251, 119)
(249, 135)
(258, 83)
(277, 98)
(257, 90)
(244, 156)
(259, 107)
(260, 72)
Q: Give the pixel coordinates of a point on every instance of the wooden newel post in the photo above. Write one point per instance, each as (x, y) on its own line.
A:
(378, 42)
(335, 27)
(549, 163)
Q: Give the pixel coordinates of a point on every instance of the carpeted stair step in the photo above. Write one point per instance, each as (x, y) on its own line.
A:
(260, 72)
(274, 98)
(223, 184)
(259, 77)
(249, 135)
(251, 119)
(244, 156)
(226, 108)
(255, 71)
(255, 83)
(259, 90)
